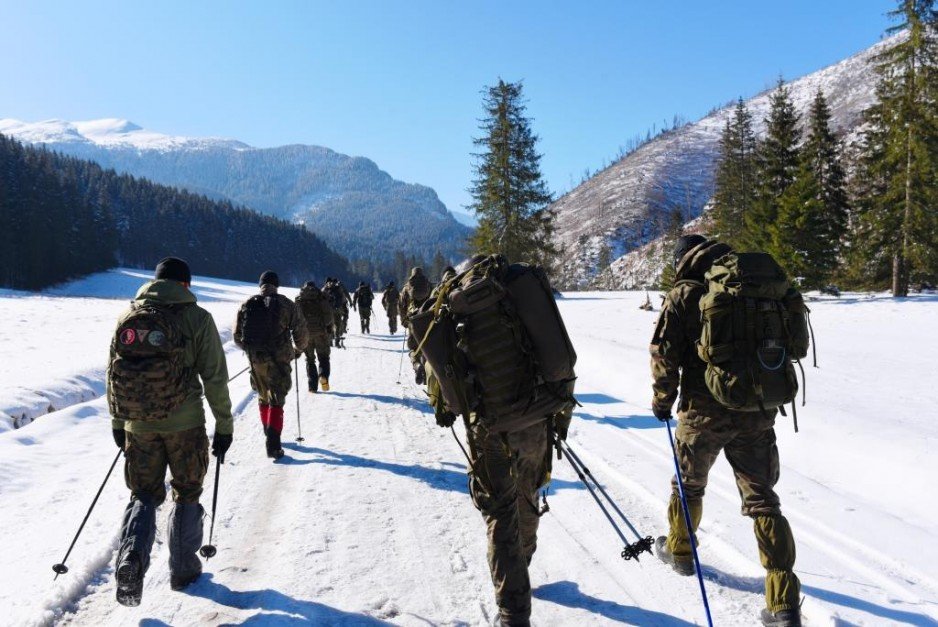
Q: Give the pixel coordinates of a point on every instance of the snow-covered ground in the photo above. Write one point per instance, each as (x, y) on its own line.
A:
(368, 520)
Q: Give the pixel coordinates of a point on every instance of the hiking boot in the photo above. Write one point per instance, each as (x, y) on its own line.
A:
(181, 582)
(324, 384)
(420, 376)
(129, 578)
(680, 565)
(781, 618)
(274, 449)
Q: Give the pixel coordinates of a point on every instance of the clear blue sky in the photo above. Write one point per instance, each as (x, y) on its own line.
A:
(399, 82)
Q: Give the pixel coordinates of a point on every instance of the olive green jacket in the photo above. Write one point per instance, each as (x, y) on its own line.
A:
(203, 355)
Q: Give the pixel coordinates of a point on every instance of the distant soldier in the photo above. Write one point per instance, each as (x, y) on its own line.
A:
(362, 300)
(339, 298)
(706, 427)
(389, 300)
(415, 293)
(165, 351)
(320, 320)
(263, 330)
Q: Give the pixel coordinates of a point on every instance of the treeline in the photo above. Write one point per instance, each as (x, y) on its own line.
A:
(790, 194)
(62, 217)
(399, 269)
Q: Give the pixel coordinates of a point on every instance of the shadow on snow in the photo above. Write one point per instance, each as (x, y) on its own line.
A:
(568, 594)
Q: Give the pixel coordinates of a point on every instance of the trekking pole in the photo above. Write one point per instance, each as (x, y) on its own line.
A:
(299, 429)
(239, 374)
(631, 550)
(400, 366)
(687, 523)
(61, 568)
(208, 551)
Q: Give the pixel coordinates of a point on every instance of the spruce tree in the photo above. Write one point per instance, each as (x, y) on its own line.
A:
(808, 231)
(896, 176)
(510, 198)
(777, 159)
(673, 231)
(734, 193)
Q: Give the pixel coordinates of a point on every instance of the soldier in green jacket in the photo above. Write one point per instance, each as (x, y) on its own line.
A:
(706, 427)
(176, 440)
(319, 315)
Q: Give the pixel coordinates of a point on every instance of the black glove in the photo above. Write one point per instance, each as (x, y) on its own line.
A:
(221, 442)
(120, 438)
(446, 419)
(661, 414)
(297, 353)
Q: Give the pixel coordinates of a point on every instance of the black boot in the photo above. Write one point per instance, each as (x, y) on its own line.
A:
(129, 576)
(185, 538)
(781, 618)
(274, 449)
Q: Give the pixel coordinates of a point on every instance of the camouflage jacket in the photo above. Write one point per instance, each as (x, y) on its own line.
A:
(675, 364)
(363, 297)
(204, 356)
(390, 298)
(290, 320)
(417, 285)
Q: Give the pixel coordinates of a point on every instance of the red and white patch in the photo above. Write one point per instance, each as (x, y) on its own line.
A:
(128, 336)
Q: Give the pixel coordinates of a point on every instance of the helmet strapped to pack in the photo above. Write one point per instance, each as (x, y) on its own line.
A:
(754, 327)
(497, 344)
(147, 379)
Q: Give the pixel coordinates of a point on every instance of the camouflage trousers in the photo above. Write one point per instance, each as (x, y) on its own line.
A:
(318, 348)
(147, 455)
(509, 469)
(748, 441)
(270, 378)
(392, 319)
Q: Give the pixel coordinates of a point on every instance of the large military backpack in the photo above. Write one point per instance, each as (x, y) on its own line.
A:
(496, 342)
(261, 329)
(365, 298)
(147, 379)
(312, 302)
(420, 288)
(755, 326)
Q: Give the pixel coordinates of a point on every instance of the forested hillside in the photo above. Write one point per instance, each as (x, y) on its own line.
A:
(61, 217)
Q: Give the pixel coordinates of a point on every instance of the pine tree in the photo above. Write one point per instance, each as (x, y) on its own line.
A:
(734, 193)
(897, 172)
(674, 230)
(809, 228)
(777, 159)
(510, 198)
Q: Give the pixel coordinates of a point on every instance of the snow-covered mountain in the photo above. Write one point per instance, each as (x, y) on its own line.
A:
(626, 204)
(358, 209)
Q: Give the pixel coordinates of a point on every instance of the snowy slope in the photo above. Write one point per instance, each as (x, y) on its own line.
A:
(368, 521)
(354, 206)
(627, 204)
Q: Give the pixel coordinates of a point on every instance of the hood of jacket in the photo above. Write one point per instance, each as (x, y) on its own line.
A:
(699, 259)
(164, 291)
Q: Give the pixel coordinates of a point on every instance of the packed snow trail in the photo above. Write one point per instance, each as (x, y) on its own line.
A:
(368, 521)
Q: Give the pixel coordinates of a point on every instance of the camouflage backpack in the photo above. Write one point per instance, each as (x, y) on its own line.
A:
(420, 288)
(311, 302)
(496, 342)
(754, 326)
(147, 379)
(261, 329)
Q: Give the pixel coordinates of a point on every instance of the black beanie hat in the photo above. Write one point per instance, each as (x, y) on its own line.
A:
(684, 244)
(174, 269)
(270, 278)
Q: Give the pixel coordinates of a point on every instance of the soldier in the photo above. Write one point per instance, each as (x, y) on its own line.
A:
(706, 427)
(339, 297)
(415, 293)
(263, 330)
(320, 321)
(507, 470)
(389, 300)
(164, 346)
(362, 300)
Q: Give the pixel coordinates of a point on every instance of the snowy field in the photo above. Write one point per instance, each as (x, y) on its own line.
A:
(368, 522)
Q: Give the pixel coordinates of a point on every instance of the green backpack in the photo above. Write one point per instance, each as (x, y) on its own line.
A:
(495, 340)
(754, 327)
(147, 379)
